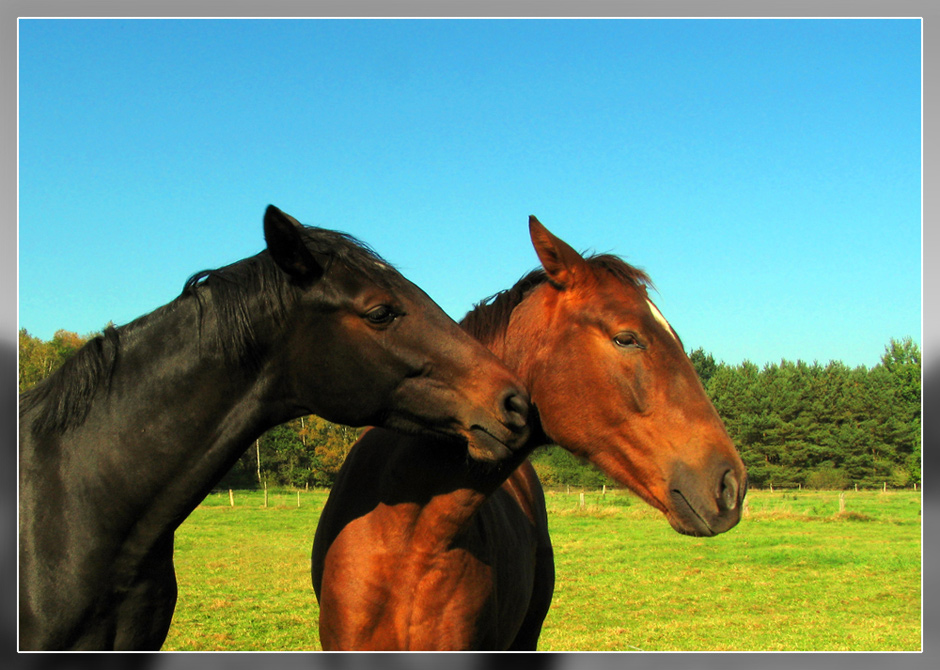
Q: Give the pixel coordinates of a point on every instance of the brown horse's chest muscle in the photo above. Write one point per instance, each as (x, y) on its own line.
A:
(393, 582)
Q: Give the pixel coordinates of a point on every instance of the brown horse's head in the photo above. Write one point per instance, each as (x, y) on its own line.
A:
(611, 382)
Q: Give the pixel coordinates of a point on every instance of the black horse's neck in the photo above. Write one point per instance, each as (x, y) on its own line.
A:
(157, 411)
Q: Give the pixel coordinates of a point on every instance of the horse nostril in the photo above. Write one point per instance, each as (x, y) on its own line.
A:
(728, 497)
(516, 410)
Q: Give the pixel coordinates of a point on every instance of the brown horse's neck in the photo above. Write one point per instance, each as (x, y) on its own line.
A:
(516, 343)
(452, 486)
(431, 483)
(425, 489)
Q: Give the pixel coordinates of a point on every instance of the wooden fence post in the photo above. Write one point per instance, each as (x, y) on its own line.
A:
(231, 498)
(265, 494)
(298, 498)
(841, 502)
(582, 500)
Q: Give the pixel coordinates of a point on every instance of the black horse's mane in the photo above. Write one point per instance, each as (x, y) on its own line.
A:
(490, 317)
(64, 398)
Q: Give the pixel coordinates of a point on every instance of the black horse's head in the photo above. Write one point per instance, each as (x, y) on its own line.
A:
(362, 345)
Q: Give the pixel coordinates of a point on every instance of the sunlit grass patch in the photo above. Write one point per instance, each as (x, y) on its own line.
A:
(795, 574)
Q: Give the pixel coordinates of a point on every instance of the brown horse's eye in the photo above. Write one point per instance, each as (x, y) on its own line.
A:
(381, 315)
(627, 341)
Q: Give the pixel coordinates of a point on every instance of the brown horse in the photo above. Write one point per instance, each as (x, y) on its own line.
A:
(419, 547)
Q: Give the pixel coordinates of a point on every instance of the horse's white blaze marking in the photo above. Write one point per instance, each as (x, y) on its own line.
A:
(659, 317)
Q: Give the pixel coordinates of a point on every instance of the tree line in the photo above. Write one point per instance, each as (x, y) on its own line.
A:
(823, 426)
(794, 423)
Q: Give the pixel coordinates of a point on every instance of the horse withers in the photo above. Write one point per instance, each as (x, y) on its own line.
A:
(420, 548)
(121, 443)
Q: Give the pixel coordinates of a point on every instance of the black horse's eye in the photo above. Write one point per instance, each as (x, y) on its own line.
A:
(627, 341)
(381, 315)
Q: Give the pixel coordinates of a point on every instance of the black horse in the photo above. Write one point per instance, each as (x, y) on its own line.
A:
(120, 444)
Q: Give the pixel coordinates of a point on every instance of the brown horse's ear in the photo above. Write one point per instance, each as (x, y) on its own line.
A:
(560, 261)
(287, 248)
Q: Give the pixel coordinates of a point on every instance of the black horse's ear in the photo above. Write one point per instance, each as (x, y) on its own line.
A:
(287, 248)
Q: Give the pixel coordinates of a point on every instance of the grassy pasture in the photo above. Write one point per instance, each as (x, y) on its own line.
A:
(795, 575)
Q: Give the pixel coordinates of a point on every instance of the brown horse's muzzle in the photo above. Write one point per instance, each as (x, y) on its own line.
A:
(706, 504)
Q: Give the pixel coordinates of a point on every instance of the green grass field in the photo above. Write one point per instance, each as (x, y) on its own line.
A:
(794, 575)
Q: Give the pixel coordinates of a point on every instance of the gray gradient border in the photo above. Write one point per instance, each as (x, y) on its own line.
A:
(10, 10)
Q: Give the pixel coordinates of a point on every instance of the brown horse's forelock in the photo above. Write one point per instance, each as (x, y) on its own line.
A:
(64, 398)
(490, 317)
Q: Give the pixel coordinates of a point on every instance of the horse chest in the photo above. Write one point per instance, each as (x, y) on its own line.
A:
(421, 590)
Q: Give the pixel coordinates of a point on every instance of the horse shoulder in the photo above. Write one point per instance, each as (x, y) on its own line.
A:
(353, 495)
(353, 587)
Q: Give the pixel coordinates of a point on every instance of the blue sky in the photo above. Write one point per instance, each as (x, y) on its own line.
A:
(766, 173)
